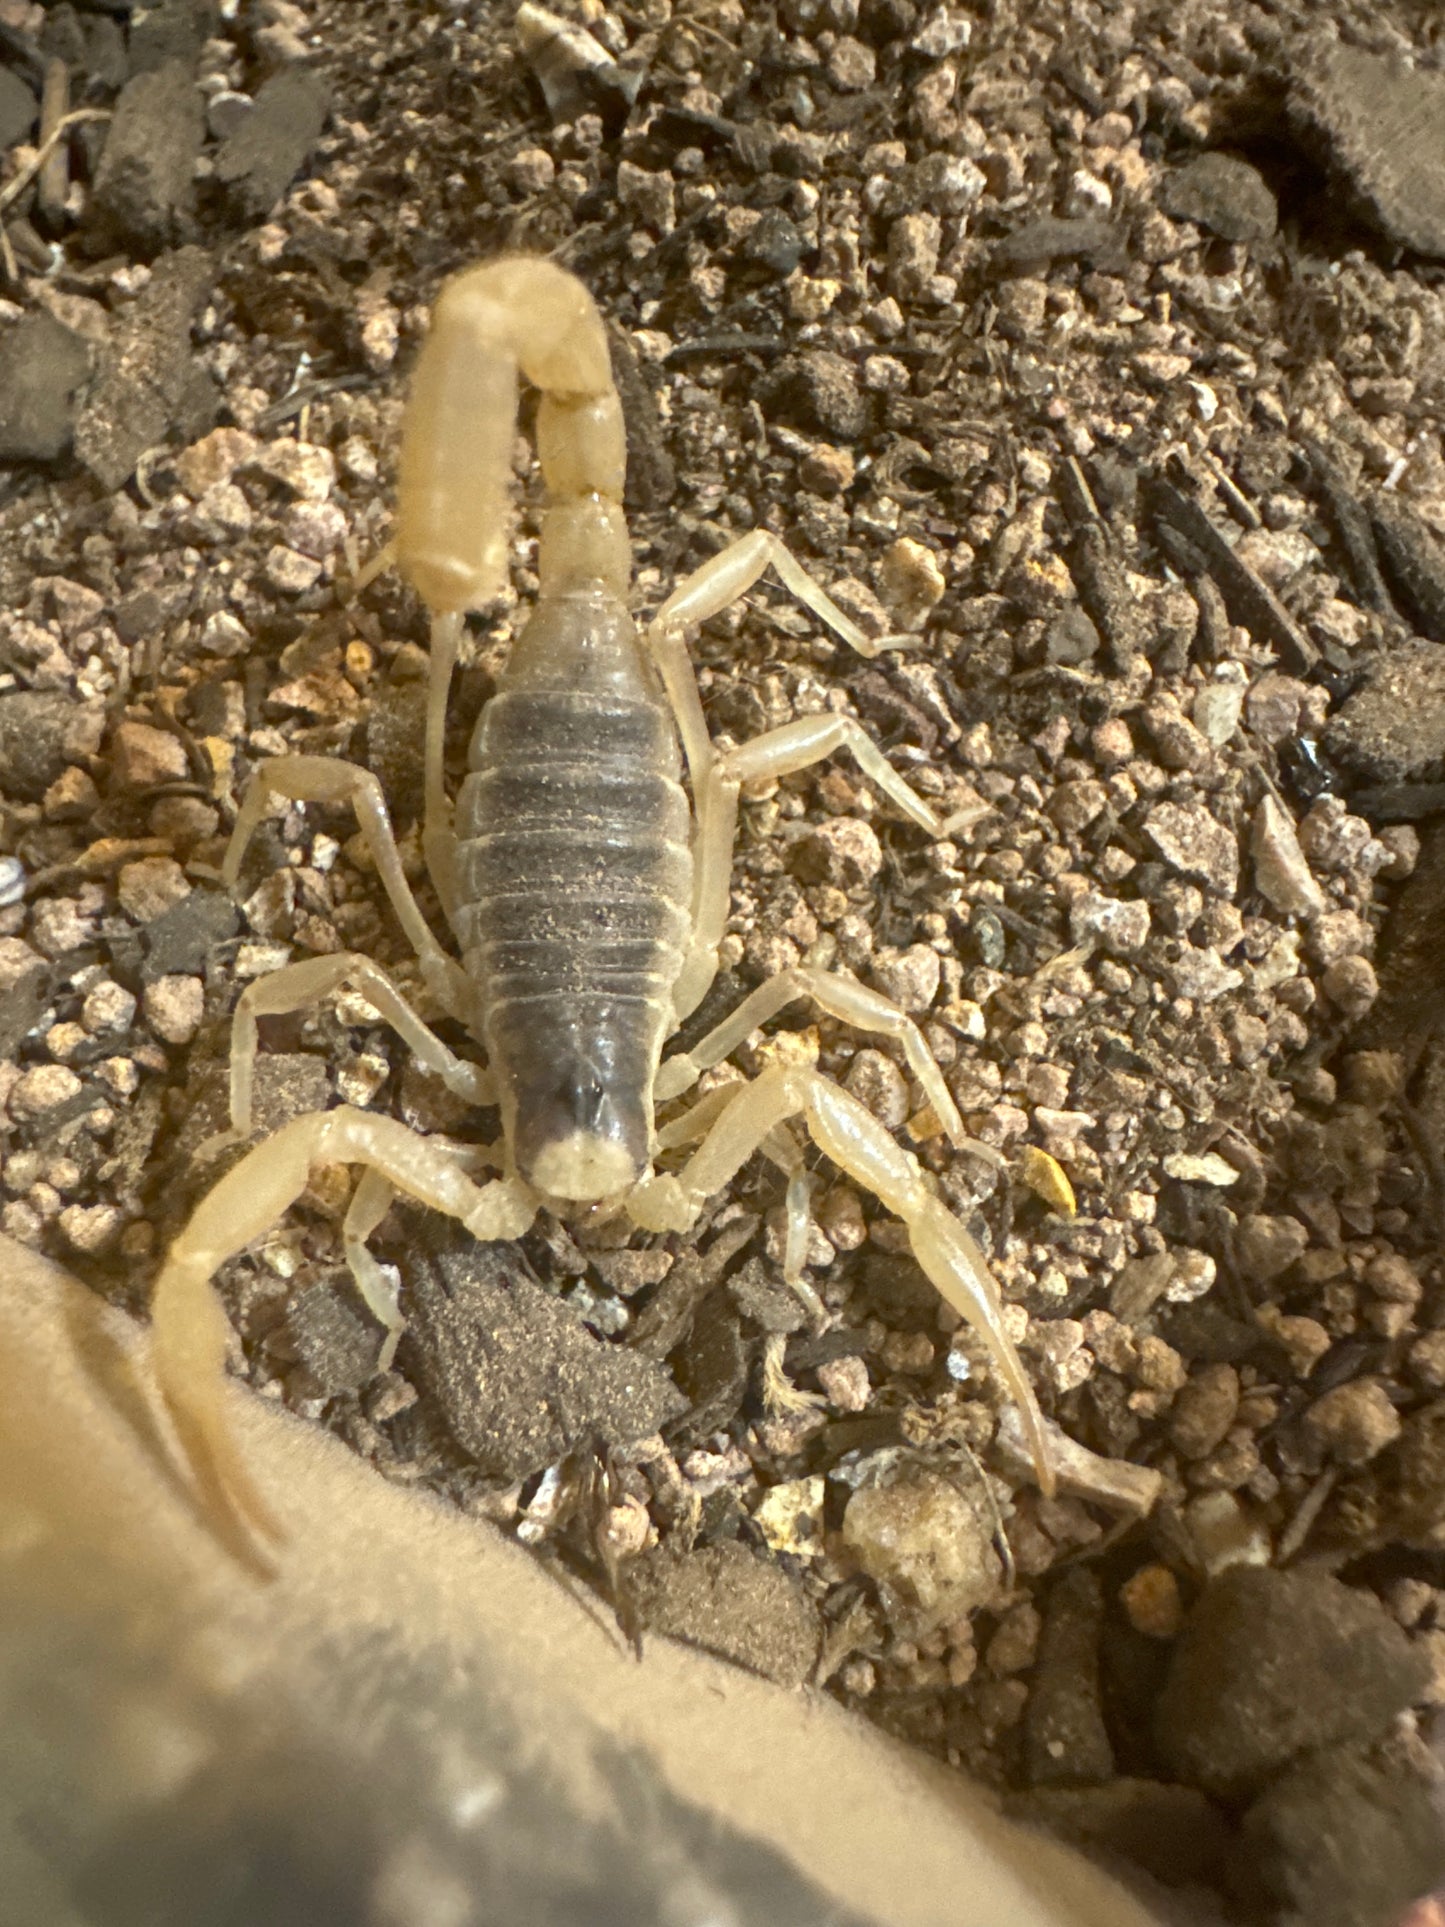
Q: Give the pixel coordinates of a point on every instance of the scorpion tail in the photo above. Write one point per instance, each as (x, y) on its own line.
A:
(520, 314)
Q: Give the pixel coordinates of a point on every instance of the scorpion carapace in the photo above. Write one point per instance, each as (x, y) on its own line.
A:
(587, 895)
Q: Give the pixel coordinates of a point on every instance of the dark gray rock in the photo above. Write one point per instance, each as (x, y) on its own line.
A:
(1072, 637)
(1224, 194)
(1050, 238)
(1414, 562)
(651, 472)
(106, 60)
(43, 366)
(713, 1367)
(760, 1293)
(171, 31)
(1412, 1479)
(19, 109)
(819, 390)
(24, 1005)
(519, 1379)
(62, 36)
(144, 196)
(776, 243)
(729, 1601)
(148, 382)
(260, 160)
(41, 731)
(1066, 1742)
(1345, 1840)
(288, 1084)
(180, 941)
(334, 1338)
(1379, 124)
(395, 734)
(1272, 1664)
(1393, 726)
(1173, 1832)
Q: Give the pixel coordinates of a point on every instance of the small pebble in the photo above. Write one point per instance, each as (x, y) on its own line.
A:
(922, 1537)
(911, 581)
(1304, 1340)
(844, 851)
(530, 170)
(72, 797)
(142, 757)
(43, 1089)
(1015, 1645)
(107, 1007)
(845, 1384)
(290, 572)
(826, 470)
(879, 1085)
(1281, 874)
(1267, 1246)
(91, 1228)
(1120, 928)
(1216, 711)
(1427, 1360)
(1354, 1422)
(909, 977)
(1151, 1600)
(1074, 805)
(1204, 1411)
(150, 886)
(1191, 840)
(174, 1007)
(17, 960)
(1351, 985)
(840, 1216)
(303, 468)
(851, 66)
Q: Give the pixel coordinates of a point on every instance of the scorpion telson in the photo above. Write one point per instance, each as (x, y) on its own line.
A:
(587, 897)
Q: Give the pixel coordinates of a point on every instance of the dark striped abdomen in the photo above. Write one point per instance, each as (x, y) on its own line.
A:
(574, 877)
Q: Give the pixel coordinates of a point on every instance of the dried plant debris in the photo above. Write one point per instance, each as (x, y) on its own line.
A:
(1030, 335)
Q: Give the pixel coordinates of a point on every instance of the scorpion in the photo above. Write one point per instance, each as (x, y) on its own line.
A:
(587, 896)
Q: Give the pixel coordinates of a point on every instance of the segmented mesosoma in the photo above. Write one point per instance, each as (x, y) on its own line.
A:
(588, 898)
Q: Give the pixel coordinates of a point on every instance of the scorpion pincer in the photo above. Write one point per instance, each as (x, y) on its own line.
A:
(587, 897)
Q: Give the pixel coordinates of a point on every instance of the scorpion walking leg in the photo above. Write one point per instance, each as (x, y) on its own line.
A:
(730, 574)
(781, 752)
(379, 1285)
(856, 1142)
(190, 1329)
(716, 781)
(326, 779)
(438, 841)
(299, 986)
(840, 997)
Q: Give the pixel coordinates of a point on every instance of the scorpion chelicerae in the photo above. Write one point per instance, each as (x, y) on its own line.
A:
(587, 898)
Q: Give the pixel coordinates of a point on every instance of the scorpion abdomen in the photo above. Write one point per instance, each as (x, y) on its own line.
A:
(574, 875)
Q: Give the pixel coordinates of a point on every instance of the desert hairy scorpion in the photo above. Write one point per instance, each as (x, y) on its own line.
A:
(587, 895)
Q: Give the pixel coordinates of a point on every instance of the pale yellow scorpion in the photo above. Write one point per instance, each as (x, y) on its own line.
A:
(587, 898)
